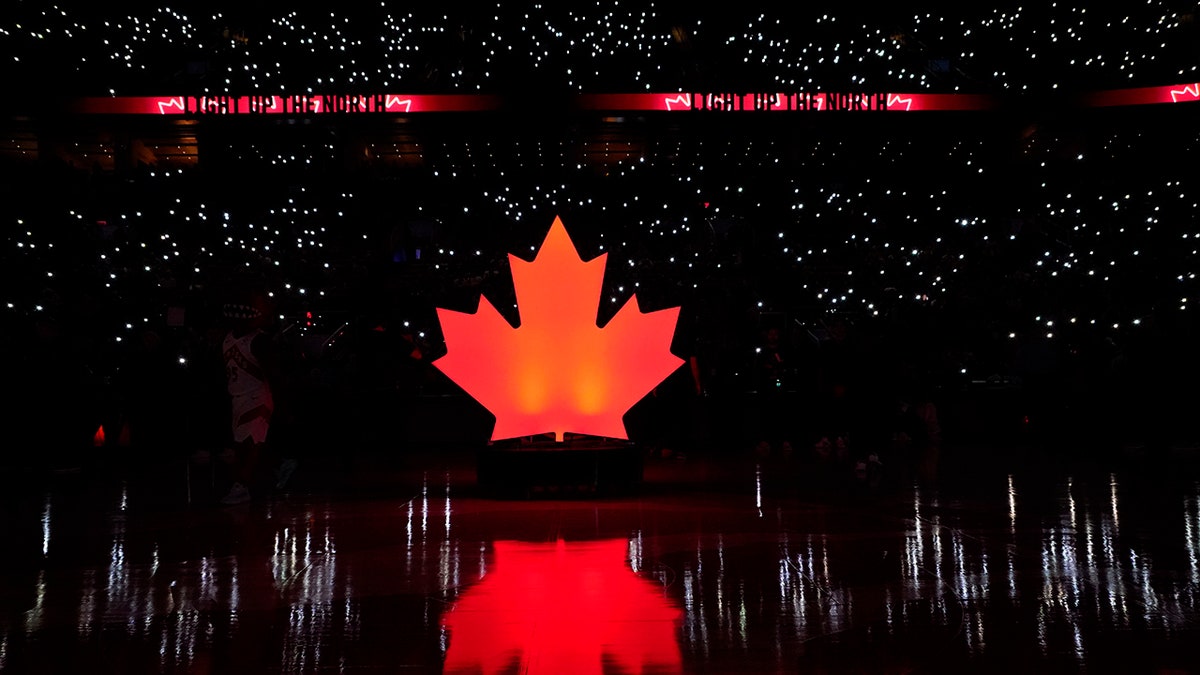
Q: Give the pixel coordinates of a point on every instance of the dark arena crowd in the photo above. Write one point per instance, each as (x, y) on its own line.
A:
(992, 264)
(1027, 271)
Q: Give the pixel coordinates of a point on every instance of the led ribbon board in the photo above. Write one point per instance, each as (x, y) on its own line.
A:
(777, 102)
(558, 371)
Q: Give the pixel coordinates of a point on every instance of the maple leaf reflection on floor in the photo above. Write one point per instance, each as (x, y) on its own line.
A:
(558, 371)
(562, 607)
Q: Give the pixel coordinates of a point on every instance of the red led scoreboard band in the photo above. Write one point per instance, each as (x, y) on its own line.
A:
(286, 105)
(420, 103)
(1176, 93)
(776, 102)
(786, 101)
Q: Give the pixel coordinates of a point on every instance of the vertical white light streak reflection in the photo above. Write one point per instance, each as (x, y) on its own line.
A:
(720, 578)
(758, 489)
(1112, 477)
(46, 526)
(689, 603)
(451, 558)
(119, 599)
(824, 560)
(447, 504)
(697, 616)
(743, 637)
(1012, 506)
(448, 567)
(785, 571)
(351, 618)
(408, 553)
(980, 644)
(1048, 567)
(162, 650)
(722, 612)
(1143, 565)
(234, 595)
(1191, 524)
(424, 507)
(985, 578)
(33, 617)
(935, 531)
(1118, 596)
(635, 551)
(914, 549)
(1070, 558)
(1089, 556)
(87, 603)
(1041, 628)
(1071, 502)
(889, 604)
(1072, 592)
(1012, 546)
(960, 572)
(184, 631)
(206, 589)
(283, 559)
(805, 563)
(1011, 572)
(143, 585)
(312, 581)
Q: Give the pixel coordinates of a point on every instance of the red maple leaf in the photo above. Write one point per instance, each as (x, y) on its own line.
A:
(558, 371)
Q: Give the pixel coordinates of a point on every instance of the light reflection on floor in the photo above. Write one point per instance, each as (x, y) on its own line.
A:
(562, 607)
(756, 573)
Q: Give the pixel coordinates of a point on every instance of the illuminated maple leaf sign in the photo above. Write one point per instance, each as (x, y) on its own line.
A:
(564, 607)
(558, 371)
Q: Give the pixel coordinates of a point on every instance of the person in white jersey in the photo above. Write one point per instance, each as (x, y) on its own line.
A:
(248, 367)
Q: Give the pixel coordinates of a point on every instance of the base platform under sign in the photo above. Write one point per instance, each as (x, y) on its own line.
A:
(534, 467)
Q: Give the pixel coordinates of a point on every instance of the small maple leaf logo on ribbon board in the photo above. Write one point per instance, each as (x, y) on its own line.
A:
(558, 371)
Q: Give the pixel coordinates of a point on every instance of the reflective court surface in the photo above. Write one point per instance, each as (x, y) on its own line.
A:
(716, 566)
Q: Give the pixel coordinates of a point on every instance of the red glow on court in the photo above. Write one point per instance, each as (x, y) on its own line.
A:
(558, 371)
(564, 607)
